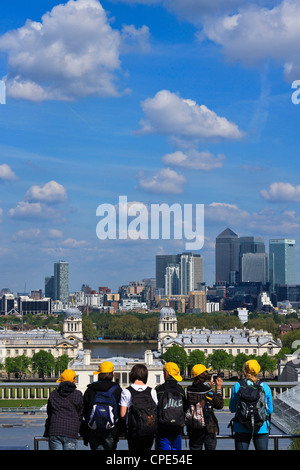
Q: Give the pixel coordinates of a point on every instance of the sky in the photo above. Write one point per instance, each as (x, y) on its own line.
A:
(186, 102)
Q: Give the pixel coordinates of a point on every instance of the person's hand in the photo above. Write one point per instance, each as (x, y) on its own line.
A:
(219, 382)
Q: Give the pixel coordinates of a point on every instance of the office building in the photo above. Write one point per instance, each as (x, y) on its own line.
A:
(61, 281)
(190, 272)
(282, 261)
(172, 280)
(255, 267)
(227, 257)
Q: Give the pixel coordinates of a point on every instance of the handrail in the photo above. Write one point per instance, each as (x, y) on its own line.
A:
(275, 438)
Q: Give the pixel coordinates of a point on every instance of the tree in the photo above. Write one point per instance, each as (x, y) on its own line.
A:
(178, 355)
(61, 364)
(219, 360)
(43, 363)
(197, 357)
(21, 365)
(266, 363)
(239, 362)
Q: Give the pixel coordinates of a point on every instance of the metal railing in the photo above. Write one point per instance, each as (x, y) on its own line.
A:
(274, 437)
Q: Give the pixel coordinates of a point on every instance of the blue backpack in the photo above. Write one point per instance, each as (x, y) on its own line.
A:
(104, 415)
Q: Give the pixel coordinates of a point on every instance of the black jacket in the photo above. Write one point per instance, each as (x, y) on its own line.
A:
(213, 399)
(88, 399)
(65, 411)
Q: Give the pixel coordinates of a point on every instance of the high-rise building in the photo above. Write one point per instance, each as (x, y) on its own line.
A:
(254, 267)
(282, 261)
(172, 280)
(252, 245)
(61, 281)
(188, 266)
(49, 287)
(227, 257)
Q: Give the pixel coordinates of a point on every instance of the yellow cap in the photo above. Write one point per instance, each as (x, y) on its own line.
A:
(173, 370)
(252, 367)
(67, 376)
(105, 368)
(198, 369)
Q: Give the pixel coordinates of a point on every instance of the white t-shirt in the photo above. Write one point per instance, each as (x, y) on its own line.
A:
(125, 399)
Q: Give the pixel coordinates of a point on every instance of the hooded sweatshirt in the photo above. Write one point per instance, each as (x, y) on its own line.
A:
(65, 411)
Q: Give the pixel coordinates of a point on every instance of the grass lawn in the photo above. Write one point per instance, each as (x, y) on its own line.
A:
(23, 402)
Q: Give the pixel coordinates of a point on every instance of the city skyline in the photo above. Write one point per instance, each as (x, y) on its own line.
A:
(160, 101)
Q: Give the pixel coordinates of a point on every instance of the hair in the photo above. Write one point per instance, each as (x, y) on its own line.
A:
(248, 375)
(139, 372)
(201, 378)
(105, 376)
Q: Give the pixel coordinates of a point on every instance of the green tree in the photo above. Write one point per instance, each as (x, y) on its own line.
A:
(178, 355)
(196, 357)
(88, 329)
(61, 364)
(219, 360)
(21, 365)
(267, 363)
(239, 362)
(43, 363)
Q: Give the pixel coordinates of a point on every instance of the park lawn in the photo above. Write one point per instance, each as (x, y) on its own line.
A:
(22, 403)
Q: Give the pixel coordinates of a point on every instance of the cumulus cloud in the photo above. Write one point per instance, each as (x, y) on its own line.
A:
(51, 192)
(276, 37)
(6, 173)
(169, 114)
(31, 211)
(73, 52)
(72, 243)
(282, 192)
(31, 235)
(167, 181)
(194, 160)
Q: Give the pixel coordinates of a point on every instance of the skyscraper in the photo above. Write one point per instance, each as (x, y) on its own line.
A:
(227, 257)
(255, 267)
(61, 281)
(186, 267)
(282, 261)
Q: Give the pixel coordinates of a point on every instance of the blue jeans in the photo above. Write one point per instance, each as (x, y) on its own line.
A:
(169, 442)
(243, 439)
(62, 443)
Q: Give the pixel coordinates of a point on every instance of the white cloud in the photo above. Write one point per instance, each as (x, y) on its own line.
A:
(73, 52)
(280, 192)
(33, 211)
(72, 243)
(256, 34)
(30, 235)
(54, 234)
(169, 114)
(6, 173)
(194, 160)
(51, 192)
(167, 181)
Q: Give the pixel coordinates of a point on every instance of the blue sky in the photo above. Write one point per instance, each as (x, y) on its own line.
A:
(162, 101)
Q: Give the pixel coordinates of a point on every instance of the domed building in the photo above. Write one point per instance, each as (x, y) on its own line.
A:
(167, 326)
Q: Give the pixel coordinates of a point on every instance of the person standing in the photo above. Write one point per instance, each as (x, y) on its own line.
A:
(202, 424)
(138, 407)
(65, 411)
(101, 432)
(171, 409)
(259, 425)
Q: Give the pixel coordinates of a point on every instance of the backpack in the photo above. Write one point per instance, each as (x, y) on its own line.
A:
(142, 413)
(171, 409)
(196, 416)
(104, 414)
(251, 406)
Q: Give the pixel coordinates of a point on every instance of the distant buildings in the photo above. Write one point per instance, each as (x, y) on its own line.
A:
(57, 286)
(234, 341)
(227, 257)
(179, 274)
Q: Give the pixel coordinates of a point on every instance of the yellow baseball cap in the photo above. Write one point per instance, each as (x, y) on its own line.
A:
(105, 368)
(252, 366)
(173, 370)
(198, 369)
(67, 376)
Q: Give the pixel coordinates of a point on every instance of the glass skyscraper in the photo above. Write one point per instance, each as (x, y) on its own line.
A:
(227, 257)
(61, 281)
(282, 261)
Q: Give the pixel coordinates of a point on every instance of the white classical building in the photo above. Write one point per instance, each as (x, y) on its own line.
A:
(70, 341)
(85, 366)
(233, 341)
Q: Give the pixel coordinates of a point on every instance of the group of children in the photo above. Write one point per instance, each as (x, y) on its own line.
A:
(144, 415)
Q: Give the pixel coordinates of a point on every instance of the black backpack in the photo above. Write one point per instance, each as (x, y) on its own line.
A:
(171, 408)
(251, 409)
(142, 413)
